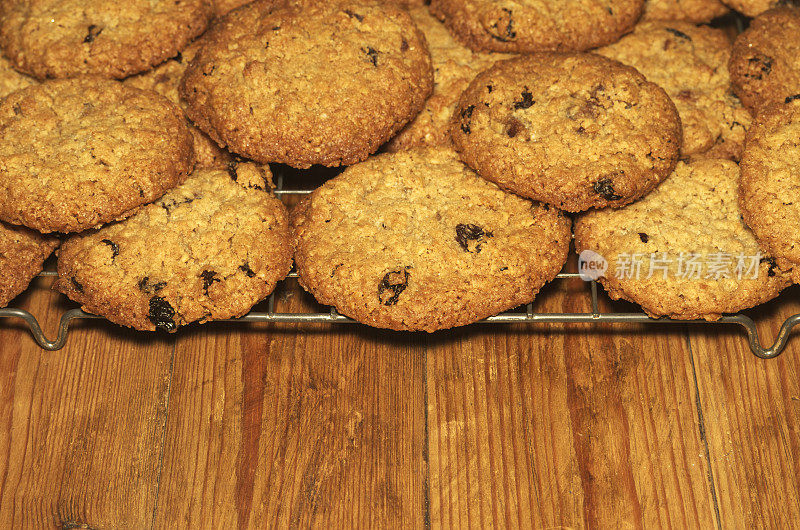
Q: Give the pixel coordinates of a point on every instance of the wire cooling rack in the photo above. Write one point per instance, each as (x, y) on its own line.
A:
(527, 316)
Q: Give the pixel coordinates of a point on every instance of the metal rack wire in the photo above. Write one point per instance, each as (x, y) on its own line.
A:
(529, 316)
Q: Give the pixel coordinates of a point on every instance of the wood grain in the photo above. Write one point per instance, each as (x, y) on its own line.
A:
(497, 457)
(754, 438)
(558, 427)
(531, 426)
(527, 426)
(280, 426)
(80, 442)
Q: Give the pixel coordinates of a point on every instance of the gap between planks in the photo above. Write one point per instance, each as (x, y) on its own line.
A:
(702, 429)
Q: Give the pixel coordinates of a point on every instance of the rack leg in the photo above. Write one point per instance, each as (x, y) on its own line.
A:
(755, 341)
(36, 330)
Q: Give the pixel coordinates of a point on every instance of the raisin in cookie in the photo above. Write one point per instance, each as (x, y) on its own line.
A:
(66, 38)
(76, 153)
(22, 253)
(695, 11)
(537, 25)
(770, 179)
(11, 80)
(417, 241)
(209, 249)
(165, 79)
(683, 251)
(691, 64)
(454, 66)
(573, 130)
(765, 63)
(322, 84)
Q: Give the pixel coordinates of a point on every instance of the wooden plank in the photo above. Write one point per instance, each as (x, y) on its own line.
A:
(565, 426)
(633, 404)
(500, 449)
(752, 411)
(544, 426)
(80, 441)
(287, 425)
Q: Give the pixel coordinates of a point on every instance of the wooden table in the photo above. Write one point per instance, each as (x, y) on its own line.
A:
(546, 426)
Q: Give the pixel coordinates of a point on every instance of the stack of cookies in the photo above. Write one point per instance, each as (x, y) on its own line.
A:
(472, 135)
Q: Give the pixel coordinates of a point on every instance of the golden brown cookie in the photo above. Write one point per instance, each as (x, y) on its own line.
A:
(22, 253)
(691, 64)
(417, 241)
(573, 130)
(165, 79)
(537, 25)
(76, 153)
(683, 251)
(765, 64)
(210, 249)
(753, 8)
(66, 38)
(11, 80)
(223, 7)
(768, 188)
(407, 4)
(454, 66)
(695, 11)
(322, 84)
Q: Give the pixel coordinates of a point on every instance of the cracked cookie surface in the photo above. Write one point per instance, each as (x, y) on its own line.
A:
(80, 152)
(416, 241)
(573, 130)
(209, 249)
(66, 38)
(691, 64)
(769, 187)
(765, 63)
(322, 84)
(687, 237)
(22, 253)
(537, 25)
